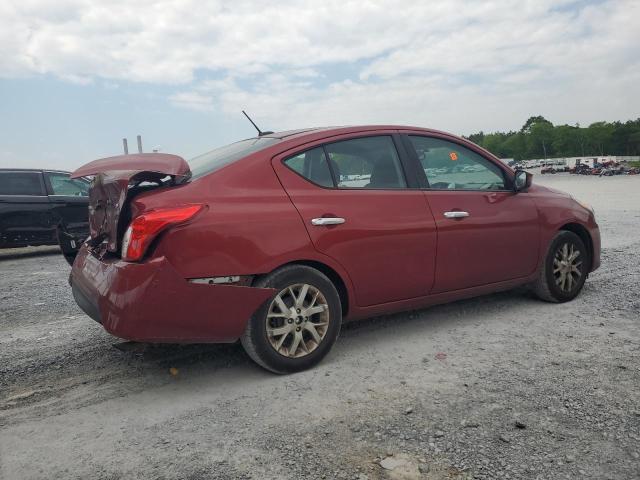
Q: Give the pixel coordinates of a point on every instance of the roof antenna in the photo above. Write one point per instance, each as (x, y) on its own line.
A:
(260, 132)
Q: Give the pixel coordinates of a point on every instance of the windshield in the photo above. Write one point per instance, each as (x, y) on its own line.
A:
(218, 158)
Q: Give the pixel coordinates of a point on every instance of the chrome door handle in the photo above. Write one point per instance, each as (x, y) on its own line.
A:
(327, 221)
(456, 214)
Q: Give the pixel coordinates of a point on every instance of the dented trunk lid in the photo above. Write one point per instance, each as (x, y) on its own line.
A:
(116, 181)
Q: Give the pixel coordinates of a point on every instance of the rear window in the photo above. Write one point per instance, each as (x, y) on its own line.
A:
(218, 158)
(21, 183)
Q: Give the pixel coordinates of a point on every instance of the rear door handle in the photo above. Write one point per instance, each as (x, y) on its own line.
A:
(456, 214)
(327, 221)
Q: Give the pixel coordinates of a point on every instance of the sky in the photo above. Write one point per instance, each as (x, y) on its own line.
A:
(76, 76)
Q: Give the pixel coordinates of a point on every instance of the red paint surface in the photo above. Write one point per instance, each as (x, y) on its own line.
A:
(137, 162)
(151, 302)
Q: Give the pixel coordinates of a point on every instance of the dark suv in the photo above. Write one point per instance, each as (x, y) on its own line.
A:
(39, 206)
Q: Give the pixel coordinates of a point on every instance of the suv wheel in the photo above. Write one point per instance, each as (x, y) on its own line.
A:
(298, 327)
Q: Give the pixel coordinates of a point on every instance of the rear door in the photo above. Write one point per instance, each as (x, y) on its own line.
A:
(487, 233)
(361, 209)
(25, 216)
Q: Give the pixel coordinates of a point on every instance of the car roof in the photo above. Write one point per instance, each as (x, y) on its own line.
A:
(318, 132)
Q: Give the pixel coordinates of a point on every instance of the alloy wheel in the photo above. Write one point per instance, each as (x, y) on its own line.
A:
(567, 267)
(297, 320)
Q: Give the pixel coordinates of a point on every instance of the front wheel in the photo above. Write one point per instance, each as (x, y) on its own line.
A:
(298, 327)
(564, 270)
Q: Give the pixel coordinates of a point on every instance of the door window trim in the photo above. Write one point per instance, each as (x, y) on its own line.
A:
(422, 176)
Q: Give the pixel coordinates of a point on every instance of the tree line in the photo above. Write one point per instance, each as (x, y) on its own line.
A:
(539, 138)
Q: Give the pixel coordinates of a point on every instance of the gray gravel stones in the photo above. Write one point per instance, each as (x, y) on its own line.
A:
(72, 406)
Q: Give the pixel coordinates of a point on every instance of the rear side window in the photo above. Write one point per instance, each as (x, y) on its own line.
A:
(368, 162)
(312, 165)
(218, 158)
(61, 184)
(21, 183)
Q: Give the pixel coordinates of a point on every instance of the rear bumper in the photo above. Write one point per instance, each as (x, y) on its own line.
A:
(150, 302)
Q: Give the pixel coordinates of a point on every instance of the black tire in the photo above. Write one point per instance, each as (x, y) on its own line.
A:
(546, 286)
(255, 339)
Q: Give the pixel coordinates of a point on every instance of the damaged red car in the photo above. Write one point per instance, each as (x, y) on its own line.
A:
(276, 240)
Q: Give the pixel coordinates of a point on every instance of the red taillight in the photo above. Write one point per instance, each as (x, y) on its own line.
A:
(146, 227)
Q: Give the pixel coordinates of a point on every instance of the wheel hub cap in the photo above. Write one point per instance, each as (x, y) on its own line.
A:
(567, 267)
(297, 320)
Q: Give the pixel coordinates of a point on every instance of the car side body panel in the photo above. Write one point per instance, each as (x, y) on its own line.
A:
(496, 241)
(26, 220)
(249, 227)
(557, 209)
(387, 242)
(499, 241)
(252, 225)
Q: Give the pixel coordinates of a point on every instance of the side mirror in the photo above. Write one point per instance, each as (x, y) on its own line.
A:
(522, 180)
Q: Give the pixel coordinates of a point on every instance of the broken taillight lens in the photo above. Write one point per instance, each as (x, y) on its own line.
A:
(144, 228)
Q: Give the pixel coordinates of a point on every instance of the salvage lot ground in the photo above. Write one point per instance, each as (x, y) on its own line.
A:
(502, 386)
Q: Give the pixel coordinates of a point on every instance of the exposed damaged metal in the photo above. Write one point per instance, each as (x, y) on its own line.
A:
(240, 280)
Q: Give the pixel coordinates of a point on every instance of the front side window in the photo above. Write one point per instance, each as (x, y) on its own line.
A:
(61, 184)
(312, 165)
(21, 183)
(369, 162)
(449, 166)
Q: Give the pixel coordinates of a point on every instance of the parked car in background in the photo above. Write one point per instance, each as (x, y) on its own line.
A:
(581, 169)
(37, 206)
(274, 241)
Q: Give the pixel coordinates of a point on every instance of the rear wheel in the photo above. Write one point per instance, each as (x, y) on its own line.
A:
(565, 269)
(298, 327)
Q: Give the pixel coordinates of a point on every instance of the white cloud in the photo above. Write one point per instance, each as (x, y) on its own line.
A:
(192, 100)
(459, 65)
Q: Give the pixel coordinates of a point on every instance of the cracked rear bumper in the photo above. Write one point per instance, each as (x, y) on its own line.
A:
(150, 302)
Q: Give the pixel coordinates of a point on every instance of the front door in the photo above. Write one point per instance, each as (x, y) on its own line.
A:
(70, 200)
(354, 199)
(487, 233)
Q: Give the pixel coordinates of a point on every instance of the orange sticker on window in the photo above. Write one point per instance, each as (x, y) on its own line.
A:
(453, 156)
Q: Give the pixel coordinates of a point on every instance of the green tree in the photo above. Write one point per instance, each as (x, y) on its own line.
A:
(600, 136)
(514, 146)
(567, 141)
(477, 138)
(540, 136)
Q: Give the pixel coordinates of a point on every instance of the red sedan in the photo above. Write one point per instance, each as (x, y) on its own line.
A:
(276, 240)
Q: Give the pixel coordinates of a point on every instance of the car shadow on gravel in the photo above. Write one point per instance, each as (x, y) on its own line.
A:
(461, 310)
(110, 369)
(215, 356)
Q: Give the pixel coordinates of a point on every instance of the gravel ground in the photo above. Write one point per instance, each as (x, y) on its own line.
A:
(501, 386)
